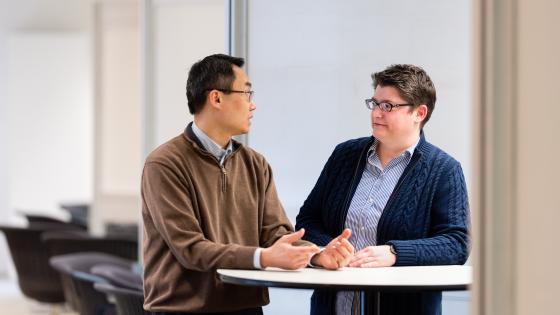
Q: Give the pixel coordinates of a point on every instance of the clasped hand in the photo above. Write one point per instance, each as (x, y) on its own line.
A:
(337, 254)
(283, 254)
(340, 253)
(373, 256)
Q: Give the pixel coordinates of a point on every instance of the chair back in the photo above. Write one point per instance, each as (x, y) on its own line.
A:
(78, 212)
(36, 278)
(120, 277)
(78, 280)
(129, 302)
(64, 242)
(34, 219)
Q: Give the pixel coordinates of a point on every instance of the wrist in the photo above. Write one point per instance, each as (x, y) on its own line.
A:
(264, 258)
(392, 249)
(314, 261)
(394, 254)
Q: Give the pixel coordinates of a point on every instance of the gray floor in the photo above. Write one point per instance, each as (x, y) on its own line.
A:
(12, 302)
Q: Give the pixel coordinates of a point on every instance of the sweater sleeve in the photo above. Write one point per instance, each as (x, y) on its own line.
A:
(174, 218)
(449, 226)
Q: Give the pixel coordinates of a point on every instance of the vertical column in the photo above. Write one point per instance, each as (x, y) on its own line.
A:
(238, 38)
(498, 147)
(117, 114)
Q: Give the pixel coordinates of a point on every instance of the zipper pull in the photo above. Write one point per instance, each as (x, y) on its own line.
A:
(224, 179)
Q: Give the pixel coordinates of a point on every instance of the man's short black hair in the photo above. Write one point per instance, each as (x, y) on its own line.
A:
(212, 72)
(412, 82)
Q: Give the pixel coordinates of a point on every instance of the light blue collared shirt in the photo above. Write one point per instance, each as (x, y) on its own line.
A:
(369, 200)
(221, 154)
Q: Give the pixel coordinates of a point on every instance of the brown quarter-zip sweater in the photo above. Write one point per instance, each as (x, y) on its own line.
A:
(199, 217)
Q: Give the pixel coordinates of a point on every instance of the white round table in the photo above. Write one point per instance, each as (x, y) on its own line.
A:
(438, 278)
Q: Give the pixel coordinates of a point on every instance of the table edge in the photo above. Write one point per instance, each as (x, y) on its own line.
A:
(291, 285)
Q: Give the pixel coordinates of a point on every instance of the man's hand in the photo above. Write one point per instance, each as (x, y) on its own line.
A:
(374, 256)
(337, 254)
(283, 254)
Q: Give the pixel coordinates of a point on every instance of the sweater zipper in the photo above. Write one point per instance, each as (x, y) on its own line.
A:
(222, 166)
(224, 178)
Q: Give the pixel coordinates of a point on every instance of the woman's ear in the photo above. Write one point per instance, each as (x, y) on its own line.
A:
(421, 112)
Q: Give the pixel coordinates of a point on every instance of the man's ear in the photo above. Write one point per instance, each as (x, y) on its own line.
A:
(215, 98)
(421, 112)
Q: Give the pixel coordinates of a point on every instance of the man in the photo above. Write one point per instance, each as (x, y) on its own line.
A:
(209, 202)
(404, 199)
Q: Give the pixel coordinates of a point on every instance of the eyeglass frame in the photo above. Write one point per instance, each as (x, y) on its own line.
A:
(250, 93)
(374, 103)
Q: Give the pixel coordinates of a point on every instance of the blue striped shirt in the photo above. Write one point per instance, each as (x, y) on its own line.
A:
(368, 202)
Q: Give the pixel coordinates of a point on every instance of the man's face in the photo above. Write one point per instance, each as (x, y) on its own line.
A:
(237, 110)
(397, 125)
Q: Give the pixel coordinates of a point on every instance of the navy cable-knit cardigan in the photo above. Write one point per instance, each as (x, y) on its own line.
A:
(426, 218)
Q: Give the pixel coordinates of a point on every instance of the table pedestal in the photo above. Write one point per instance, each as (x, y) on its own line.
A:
(374, 307)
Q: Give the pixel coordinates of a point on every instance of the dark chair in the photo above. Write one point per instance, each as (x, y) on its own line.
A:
(124, 230)
(121, 277)
(125, 286)
(75, 269)
(78, 212)
(129, 302)
(36, 217)
(64, 242)
(36, 278)
(68, 242)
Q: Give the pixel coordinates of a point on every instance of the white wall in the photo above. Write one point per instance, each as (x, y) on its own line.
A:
(310, 66)
(50, 119)
(312, 74)
(179, 33)
(4, 138)
(41, 17)
(118, 137)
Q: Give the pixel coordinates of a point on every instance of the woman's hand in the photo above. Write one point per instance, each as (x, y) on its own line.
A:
(374, 256)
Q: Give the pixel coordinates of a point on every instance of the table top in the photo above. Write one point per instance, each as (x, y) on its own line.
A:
(440, 278)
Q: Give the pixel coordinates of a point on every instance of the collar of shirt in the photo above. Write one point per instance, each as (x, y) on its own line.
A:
(373, 159)
(211, 146)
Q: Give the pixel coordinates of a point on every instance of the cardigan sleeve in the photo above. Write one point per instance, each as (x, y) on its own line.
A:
(448, 241)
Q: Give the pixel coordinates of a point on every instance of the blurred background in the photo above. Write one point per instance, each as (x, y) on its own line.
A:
(89, 87)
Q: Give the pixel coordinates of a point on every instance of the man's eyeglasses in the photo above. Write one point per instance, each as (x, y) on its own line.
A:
(248, 94)
(384, 106)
